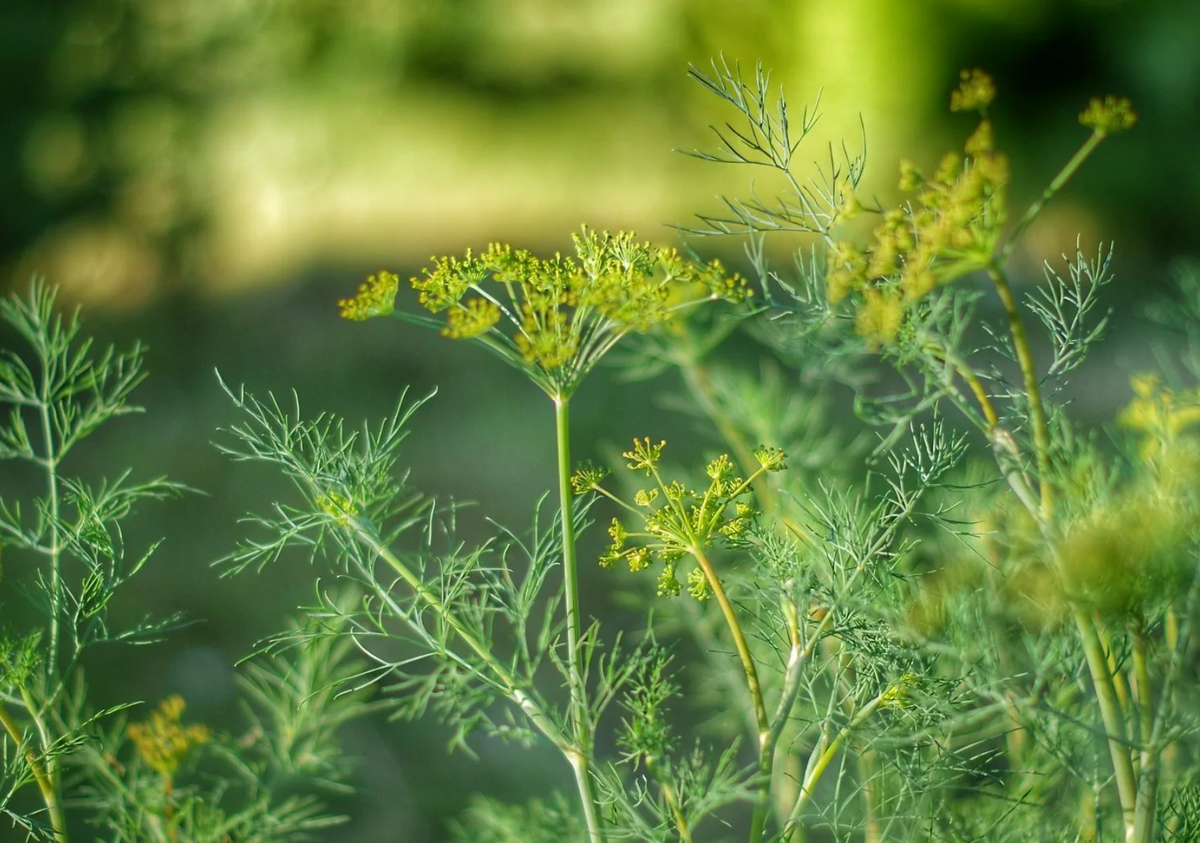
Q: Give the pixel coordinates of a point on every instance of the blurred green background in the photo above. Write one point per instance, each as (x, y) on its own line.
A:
(211, 175)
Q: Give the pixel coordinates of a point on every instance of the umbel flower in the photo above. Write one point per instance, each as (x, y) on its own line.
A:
(1159, 415)
(678, 520)
(951, 226)
(952, 223)
(554, 318)
(162, 741)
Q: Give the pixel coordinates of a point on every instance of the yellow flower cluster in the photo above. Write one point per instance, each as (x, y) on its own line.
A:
(555, 303)
(679, 520)
(644, 455)
(949, 228)
(1159, 414)
(1108, 116)
(897, 694)
(161, 741)
(975, 91)
(472, 319)
(376, 297)
(337, 506)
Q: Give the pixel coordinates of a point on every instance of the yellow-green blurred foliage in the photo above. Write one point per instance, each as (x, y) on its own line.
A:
(225, 143)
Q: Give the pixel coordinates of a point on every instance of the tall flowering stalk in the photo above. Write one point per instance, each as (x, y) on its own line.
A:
(554, 319)
(893, 687)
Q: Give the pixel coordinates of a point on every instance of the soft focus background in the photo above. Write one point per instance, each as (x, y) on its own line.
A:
(211, 175)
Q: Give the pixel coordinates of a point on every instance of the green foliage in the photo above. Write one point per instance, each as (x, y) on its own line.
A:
(985, 632)
(65, 553)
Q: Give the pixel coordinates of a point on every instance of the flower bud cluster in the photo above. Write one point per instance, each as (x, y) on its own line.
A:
(678, 520)
(161, 741)
(950, 227)
(559, 309)
(376, 297)
(1159, 415)
(1108, 116)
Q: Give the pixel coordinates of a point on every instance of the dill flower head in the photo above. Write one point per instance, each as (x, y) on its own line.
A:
(162, 742)
(975, 91)
(1159, 415)
(555, 317)
(677, 520)
(1127, 554)
(375, 297)
(1108, 116)
(950, 227)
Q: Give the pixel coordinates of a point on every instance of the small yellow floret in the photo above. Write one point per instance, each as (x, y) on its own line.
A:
(1159, 414)
(471, 319)
(698, 586)
(645, 455)
(376, 297)
(1108, 116)
(975, 91)
(161, 741)
(638, 559)
(981, 141)
(879, 317)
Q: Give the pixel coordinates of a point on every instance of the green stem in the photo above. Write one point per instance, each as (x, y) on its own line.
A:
(868, 771)
(672, 801)
(739, 641)
(54, 552)
(1110, 715)
(1055, 185)
(1148, 760)
(1120, 684)
(508, 683)
(579, 706)
(765, 743)
(1141, 672)
(58, 820)
(1037, 413)
(819, 762)
(1143, 823)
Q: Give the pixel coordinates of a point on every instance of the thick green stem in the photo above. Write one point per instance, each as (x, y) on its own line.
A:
(765, 745)
(579, 706)
(1037, 413)
(54, 553)
(1148, 760)
(1162, 751)
(1145, 707)
(41, 776)
(868, 770)
(1110, 715)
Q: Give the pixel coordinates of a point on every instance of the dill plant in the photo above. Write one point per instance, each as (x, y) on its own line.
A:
(72, 770)
(963, 631)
